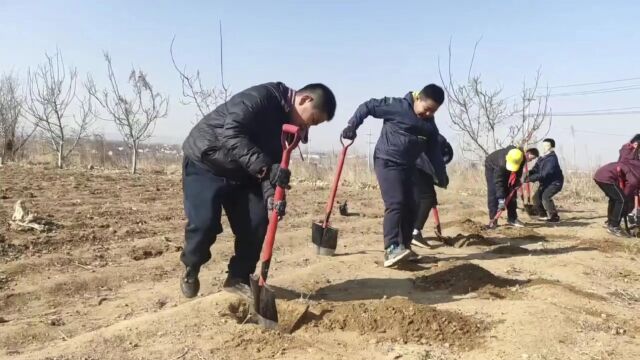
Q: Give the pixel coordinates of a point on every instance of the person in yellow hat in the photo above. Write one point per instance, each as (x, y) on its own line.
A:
(503, 170)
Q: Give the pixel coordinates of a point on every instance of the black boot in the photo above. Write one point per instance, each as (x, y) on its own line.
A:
(190, 284)
(554, 218)
(237, 285)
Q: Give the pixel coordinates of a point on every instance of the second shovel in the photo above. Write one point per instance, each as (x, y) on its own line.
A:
(323, 236)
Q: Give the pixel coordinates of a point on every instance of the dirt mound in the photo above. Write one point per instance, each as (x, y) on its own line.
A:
(472, 227)
(399, 319)
(509, 250)
(461, 279)
(522, 233)
(461, 240)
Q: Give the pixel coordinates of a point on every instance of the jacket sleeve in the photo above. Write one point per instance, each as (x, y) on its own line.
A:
(534, 173)
(632, 184)
(378, 108)
(242, 114)
(500, 178)
(434, 153)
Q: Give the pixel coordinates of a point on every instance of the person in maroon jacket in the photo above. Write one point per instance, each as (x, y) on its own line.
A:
(620, 181)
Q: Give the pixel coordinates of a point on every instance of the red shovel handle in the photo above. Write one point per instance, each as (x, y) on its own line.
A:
(290, 139)
(336, 181)
(506, 203)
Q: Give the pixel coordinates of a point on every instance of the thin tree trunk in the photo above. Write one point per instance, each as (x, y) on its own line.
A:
(134, 159)
(60, 155)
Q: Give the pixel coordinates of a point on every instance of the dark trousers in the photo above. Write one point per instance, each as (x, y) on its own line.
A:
(492, 198)
(396, 187)
(619, 205)
(425, 194)
(205, 195)
(543, 199)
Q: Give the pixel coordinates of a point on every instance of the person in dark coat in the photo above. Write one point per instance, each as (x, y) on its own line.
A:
(231, 162)
(408, 130)
(503, 170)
(629, 150)
(548, 173)
(425, 192)
(620, 181)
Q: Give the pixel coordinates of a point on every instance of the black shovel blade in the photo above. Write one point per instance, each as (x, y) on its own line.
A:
(264, 303)
(530, 210)
(325, 239)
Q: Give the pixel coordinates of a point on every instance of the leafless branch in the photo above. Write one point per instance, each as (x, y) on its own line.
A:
(135, 116)
(193, 92)
(51, 90)
(485, 118)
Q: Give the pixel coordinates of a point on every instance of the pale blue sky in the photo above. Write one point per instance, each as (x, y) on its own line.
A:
(361, 49)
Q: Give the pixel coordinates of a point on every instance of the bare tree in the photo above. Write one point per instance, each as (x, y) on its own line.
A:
(134, 116)
(13, 131)
(487, 119)
(205, 99)
(51, 91)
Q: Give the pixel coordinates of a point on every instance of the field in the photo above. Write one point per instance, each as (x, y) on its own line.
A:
(101, 280)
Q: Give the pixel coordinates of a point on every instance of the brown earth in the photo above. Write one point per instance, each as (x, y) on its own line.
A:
(103, 283)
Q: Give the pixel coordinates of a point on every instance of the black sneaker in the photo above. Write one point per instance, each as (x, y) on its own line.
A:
(554, 219)
(190, 284)
(236, 285)
(616, 231)
(419, 241)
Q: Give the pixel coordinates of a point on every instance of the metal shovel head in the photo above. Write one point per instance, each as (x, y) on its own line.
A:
(438, 231)
(264, 303)
(325, 239)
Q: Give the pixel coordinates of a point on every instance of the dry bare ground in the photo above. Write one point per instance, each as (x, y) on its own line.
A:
(102, 281)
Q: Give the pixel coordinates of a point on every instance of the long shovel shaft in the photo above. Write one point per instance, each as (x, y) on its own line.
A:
(336, 182)
(267, 247)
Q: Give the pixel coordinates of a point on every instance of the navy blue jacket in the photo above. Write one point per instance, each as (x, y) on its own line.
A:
(423, 164)
(547, 171)
(404, 136)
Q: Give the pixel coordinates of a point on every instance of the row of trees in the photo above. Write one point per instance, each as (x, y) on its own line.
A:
(62, 109)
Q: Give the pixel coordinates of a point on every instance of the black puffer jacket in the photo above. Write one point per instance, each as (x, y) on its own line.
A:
(242, 136)
(496, 163)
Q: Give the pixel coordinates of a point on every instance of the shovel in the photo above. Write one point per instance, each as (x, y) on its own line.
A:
(264, 299)
(622, 183)
(506, 203)
(323, 236)
(436, 219)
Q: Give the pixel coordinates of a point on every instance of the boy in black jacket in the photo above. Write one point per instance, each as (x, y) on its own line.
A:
(548, 173)
(231, 161)
(503, 169)
(408, 131)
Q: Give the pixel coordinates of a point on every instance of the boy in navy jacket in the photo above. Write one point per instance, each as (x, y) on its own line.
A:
(548, 173)
(408, 131)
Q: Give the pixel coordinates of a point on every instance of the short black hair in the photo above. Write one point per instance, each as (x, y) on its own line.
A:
(433, 92)
(635, 139)
(550, 141)
(323, 97)
(534, 152)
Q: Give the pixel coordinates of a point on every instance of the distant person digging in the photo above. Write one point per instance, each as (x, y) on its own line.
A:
(548, 173)
(503, 170)
(232, 161)
(620, 181)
